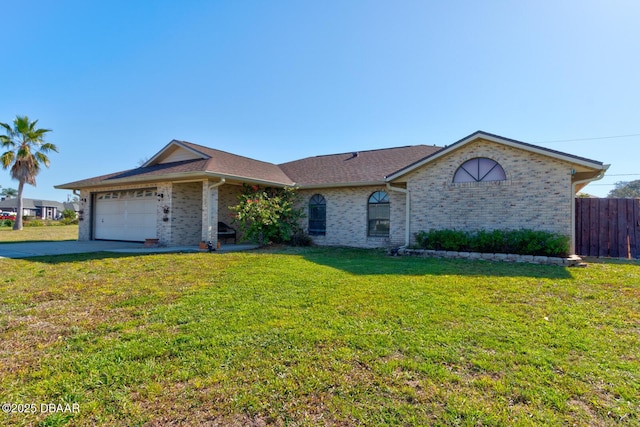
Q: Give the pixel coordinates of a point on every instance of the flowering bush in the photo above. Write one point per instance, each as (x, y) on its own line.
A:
(267, 214)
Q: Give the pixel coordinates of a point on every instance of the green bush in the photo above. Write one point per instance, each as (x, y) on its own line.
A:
(69, 214)
(522, 242)
(6, 223)
(34, 223)
(300, 239)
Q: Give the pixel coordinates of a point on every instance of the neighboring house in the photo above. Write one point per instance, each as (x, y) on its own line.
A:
(374, 198)
(41, 209)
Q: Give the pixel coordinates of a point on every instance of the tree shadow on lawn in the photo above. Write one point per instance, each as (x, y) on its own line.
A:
(377, 262)
(362, 262)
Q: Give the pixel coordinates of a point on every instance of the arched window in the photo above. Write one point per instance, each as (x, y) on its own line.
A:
(378, 214)
(317, 215)
(479, 169)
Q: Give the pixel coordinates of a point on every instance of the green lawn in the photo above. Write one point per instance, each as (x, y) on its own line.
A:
(43, 234)
(316, 336)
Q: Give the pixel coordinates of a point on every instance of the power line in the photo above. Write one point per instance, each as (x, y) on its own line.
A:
(587, 139)
(615, 174)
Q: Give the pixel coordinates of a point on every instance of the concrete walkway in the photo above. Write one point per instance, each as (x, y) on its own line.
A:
(33, 249)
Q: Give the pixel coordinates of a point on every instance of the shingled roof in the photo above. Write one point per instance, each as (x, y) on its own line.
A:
(180, 160)
(30, 204)
(371, 166)
(228, 164)
(354, 168)
(212, 162)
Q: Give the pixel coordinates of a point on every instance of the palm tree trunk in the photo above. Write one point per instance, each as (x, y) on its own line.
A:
(17, 225)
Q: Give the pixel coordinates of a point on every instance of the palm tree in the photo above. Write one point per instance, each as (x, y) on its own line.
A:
(26, 150)
(9, 193)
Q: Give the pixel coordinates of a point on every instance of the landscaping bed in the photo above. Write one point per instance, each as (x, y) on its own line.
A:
(571, 261)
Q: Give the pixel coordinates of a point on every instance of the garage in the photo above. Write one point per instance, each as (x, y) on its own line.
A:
(126, 215)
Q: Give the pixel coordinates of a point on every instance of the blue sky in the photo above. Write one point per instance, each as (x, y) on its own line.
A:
(281, 80)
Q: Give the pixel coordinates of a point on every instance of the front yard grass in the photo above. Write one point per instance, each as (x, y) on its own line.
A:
(317, 336)
(48, 233)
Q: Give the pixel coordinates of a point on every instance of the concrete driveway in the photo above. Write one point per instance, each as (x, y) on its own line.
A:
(31, 249)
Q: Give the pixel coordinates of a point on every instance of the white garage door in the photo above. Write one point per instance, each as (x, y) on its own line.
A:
(126, 215)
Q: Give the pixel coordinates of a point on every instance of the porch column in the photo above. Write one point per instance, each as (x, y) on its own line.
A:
(210, 211)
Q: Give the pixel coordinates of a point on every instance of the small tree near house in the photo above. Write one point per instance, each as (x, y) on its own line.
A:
(267, 215)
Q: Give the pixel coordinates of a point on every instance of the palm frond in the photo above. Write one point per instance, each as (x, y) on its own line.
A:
(46, 147)
(6, 142)
(6, 127)
(42, 158)
(7, 158)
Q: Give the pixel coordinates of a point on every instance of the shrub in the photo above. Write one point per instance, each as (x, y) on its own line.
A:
(522, 242)
(267, 214)
(489, 241)
(6, 223)
(34, 223)
(69, 214)
(301, 239)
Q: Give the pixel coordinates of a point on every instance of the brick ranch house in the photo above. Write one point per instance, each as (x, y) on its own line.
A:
(376, 198)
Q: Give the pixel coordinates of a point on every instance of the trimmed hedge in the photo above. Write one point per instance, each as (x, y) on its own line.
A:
(522, 242)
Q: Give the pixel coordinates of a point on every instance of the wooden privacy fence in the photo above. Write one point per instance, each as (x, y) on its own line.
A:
(608, 227)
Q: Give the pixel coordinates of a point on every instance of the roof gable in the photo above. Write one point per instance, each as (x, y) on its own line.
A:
(198, 162)
(582, 161)
(175, 151)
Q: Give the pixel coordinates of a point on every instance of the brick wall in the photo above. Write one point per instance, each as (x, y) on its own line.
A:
(347, 217)
(164, 218)
(186, 213)
(84, 215)
(536, 194)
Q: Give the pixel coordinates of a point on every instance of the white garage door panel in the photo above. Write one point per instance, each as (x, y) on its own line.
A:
(126, 215)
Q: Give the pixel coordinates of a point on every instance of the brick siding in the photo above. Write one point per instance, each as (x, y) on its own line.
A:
(536, 194)
(186, 213)
(347, 217)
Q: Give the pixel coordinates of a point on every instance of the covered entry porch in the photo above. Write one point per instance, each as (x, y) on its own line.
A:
(192, 211)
